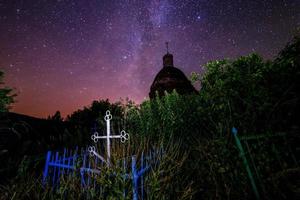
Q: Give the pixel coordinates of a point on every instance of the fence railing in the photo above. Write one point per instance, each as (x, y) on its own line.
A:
(273, 148)
(81, 163)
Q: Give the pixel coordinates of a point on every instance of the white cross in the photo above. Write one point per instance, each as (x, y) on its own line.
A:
(124, 136)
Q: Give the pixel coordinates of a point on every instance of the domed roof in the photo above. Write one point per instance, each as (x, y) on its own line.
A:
(170, 78)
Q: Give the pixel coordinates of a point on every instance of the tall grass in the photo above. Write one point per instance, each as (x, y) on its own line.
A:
(160, 181)
(201, 160)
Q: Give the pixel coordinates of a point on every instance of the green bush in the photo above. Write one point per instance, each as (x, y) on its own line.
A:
(6, 96)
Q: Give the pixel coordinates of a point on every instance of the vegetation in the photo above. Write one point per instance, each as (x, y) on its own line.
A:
(111, 179)
(260, 98)
(6, 96)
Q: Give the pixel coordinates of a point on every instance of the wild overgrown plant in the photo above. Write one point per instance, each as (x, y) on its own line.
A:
(170, 116)
(6, 95)
(114, 181)
(201, 160)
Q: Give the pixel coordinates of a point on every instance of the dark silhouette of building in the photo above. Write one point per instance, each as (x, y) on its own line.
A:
(170, 78)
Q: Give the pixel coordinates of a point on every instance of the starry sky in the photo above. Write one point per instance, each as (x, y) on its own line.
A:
(63, 54)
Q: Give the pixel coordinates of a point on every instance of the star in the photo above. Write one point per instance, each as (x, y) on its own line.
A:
(73, 45)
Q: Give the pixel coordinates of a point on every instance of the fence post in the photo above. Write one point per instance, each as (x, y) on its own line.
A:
(63, 161)
(46, 167)
(142, 179)
(242, 153)
(54, 173)
(82, 170)
(89, 173)
(124, 178)
(134, 178)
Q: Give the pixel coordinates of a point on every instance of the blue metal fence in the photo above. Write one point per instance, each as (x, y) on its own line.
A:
(74, 163)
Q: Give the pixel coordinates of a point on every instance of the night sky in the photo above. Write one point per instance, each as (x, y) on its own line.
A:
(62, 55)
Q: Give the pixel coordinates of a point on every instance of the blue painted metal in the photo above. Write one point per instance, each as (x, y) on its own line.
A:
(136, 175)
(45, 174)
(55, 169)
(82, 171)
(134, 178)
(67, 164)
(69, 161)
(142, 180)
(63, 162)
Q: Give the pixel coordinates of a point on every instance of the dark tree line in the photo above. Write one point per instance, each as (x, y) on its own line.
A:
(6, 95)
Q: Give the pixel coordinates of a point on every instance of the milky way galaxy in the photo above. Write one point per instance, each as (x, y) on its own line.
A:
(63, 54)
